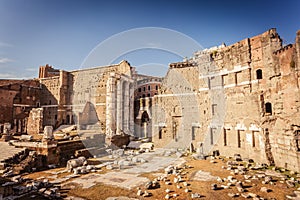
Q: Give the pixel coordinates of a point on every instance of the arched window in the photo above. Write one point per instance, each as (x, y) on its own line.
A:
(259, 74)
(268, 107)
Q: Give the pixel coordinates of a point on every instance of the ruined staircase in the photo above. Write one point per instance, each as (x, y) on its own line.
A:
(9, 154)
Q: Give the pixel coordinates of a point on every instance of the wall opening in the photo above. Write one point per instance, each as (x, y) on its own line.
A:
(239, 138)
(268, 107)
(297, 139)
(259, 74)
(193, 132)
(253, 139)
(225, 136)
(160, 134)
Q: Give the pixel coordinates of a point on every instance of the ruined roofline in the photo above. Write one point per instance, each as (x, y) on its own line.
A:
(245, 40)
(77, 70)
(182, 64)
(97, 67)
(24, 82)
(283, 49)
(222, 47)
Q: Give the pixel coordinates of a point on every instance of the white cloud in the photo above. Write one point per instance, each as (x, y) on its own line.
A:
(31, 69)
(7, 76)
(5, 60)
(3, 44)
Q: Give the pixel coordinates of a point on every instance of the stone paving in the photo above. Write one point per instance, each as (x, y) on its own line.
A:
(7, 151)
(119, 179)
(129, 178)
(203, 176)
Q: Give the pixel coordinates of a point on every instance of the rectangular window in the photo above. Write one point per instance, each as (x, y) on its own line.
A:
(253, 138)
(212, 132)
(225, 137)
(140, 89)
(160, 134)
(149, 87)
(239, 138)
(193, 133)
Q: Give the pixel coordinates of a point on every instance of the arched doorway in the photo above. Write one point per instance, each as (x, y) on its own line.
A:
(144, 120)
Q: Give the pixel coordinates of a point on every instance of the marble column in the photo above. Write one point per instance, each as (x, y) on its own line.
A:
(119, 106)
(110, 106)
(131, 108)
(126, 106)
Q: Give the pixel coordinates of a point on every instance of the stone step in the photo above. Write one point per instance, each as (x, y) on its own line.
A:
(8, 152)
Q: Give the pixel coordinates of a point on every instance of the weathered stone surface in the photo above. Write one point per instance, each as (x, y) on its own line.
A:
(256, 80)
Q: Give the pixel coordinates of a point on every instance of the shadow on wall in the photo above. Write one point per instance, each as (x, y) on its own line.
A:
(88, 117)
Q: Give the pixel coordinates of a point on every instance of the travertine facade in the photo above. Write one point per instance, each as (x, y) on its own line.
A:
(242, 98)
(98, 98)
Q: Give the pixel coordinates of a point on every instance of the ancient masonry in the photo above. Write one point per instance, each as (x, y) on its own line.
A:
(99, 98)
(243, 98)
(238, 99)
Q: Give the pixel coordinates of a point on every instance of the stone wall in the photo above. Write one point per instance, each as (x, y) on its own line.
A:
(18, 97)
(91, 98)
(243, 98)
(35, 121)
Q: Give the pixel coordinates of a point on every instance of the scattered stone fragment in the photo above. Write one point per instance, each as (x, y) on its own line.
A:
(245, 195)
(292, 172)
(233, 195)
(253, 195)
(168, 190)
(219, 179)
(176, 180)
(247, 177)
(195, 195)
(225, 186)
(146, 194)
(265, 189)
(186, 190)
(175, 195)
(167, 196)
(139, 192)
(290, 183)
(237, 157)
(214, 186)
(240, 186)
(185, 184)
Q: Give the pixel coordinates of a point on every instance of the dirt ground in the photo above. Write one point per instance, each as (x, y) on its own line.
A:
(100, 191)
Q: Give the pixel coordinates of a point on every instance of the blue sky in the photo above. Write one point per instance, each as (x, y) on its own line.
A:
(63, 32)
